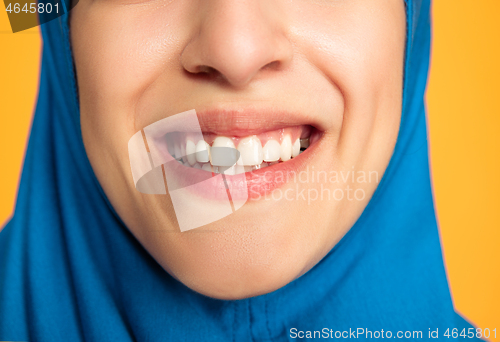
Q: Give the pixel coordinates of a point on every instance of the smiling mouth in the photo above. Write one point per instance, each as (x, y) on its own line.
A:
(255, 151)
(268, 149)
(213, 165)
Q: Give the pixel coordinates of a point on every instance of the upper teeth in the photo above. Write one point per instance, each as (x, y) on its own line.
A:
(286, 149)
(250, 150)
(191, 152)
(271, 151)
(225, 155)
(202, 152)
(252, 154)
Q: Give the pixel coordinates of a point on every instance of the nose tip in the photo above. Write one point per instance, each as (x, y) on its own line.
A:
(236, 43)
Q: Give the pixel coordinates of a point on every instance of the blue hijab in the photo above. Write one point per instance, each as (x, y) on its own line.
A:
(71, 271)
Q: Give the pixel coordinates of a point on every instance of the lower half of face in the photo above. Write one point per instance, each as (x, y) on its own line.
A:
(308, 93)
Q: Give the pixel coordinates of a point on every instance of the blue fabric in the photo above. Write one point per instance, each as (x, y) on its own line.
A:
(71, 271)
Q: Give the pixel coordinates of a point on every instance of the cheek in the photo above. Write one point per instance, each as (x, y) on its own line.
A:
(119, 52)
(359, 47)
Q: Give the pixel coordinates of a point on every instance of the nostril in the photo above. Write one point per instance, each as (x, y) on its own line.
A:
(203, 72)
(274, 65)
(204, 69)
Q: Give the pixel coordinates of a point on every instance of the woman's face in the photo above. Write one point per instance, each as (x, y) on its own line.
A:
(330, 70)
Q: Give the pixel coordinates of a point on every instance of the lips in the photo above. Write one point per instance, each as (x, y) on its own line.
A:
(269, 149)
(208, 175)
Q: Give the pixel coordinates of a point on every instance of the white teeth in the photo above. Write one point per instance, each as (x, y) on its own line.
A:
(223, 142)
(190, 152)
(242, 169)
(250, 150)
(286, 148)
(223, 157)
(271, 151)
(202, 152)
(177, 152)
(230, 170)
(207, 167)
(252, 155)
(239, 169)
(304, 143)
(296, 148)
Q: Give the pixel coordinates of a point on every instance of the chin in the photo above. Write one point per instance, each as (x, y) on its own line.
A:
(237, 258)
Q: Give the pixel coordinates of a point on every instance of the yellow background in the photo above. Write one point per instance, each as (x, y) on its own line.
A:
(464, 118)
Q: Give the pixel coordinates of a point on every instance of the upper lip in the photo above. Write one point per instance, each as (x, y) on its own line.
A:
(249, 121)
(239, 122)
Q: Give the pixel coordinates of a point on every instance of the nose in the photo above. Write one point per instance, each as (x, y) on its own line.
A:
(236, 40)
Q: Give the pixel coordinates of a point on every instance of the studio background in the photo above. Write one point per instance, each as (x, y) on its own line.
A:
(463, 100)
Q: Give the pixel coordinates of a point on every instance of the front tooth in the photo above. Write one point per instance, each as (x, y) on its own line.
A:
(177, 152)
(242, 169)
(207, 167)
(250, 150)
(190, 152)
(286, 148)
(202, 151)
(304, 143)
(223, 157)
(197, 166)
(231, 171)
(271, 151)
(239, 169)
(296, 148)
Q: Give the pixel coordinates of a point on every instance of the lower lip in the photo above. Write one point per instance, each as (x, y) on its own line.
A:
(250, 185)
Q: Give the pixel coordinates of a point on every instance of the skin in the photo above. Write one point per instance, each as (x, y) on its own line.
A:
(339, 63)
